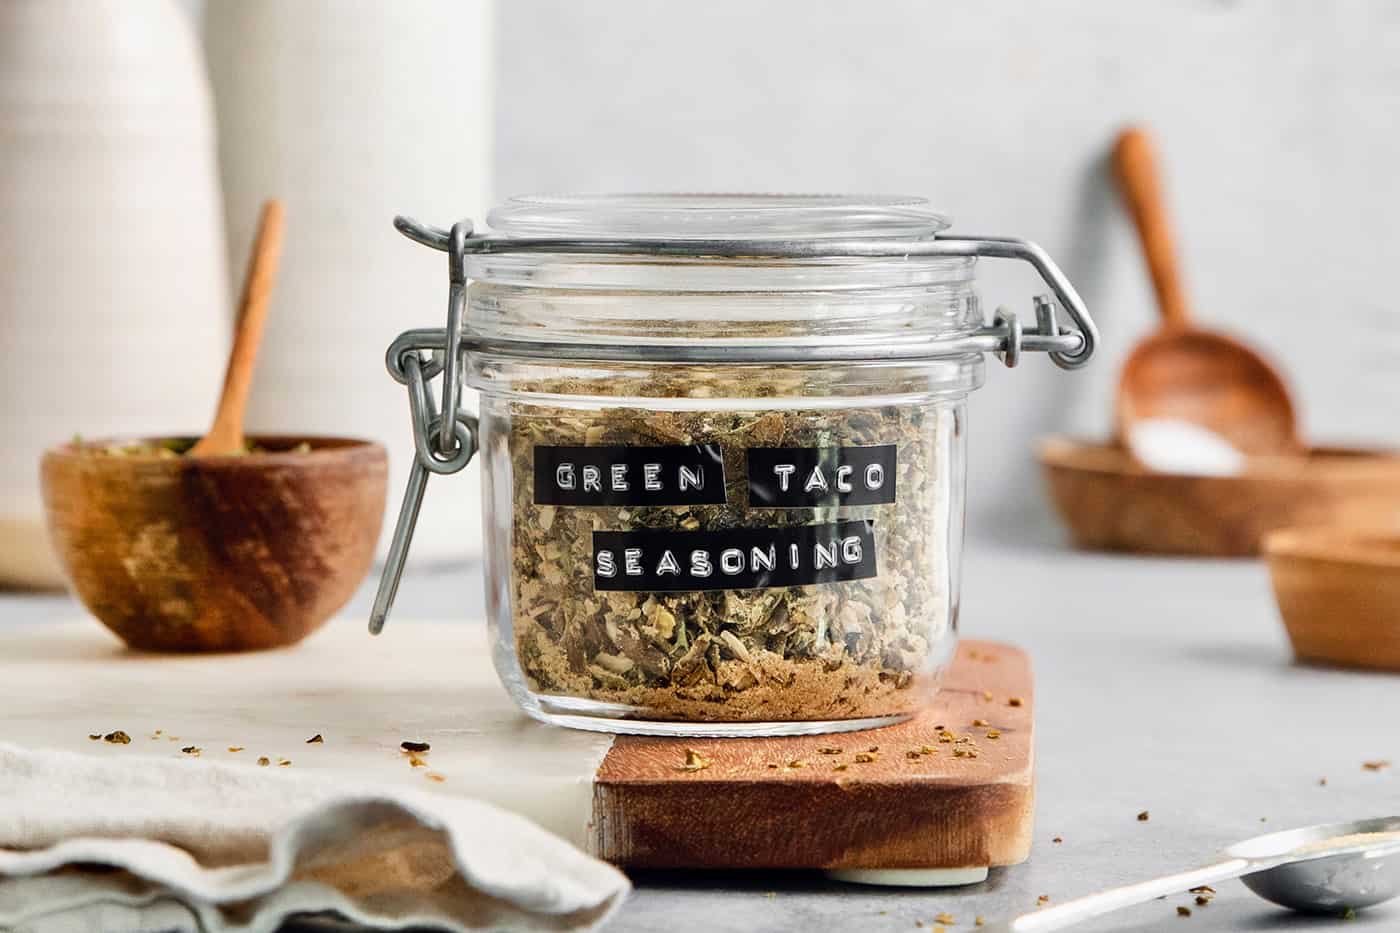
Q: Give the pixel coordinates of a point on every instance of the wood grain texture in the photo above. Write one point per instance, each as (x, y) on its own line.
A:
(1183, 372)
(1109, 502)
(1135, 165)
(1338, 591)
(226, 433)
(216, 553)
(933, 811)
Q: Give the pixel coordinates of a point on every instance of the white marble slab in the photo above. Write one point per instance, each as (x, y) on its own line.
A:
(60, 682)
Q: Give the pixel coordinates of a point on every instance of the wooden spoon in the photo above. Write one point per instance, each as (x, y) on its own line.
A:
(226, 434)
(1182, 372)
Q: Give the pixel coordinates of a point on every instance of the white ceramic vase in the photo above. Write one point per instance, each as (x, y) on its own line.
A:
(353, 111)
(113, 284)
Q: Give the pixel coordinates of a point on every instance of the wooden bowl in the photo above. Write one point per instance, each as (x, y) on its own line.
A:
(1338, 591)
(1110, 502)
(216, 553)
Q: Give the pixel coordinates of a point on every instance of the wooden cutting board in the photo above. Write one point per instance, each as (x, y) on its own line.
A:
(923, 802)
(625, 799)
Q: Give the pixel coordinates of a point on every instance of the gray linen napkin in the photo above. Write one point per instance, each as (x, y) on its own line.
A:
(145, 844)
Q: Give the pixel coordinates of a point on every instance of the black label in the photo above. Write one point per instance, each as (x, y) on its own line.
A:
(733, 559)
(808, 477)
(690, 474)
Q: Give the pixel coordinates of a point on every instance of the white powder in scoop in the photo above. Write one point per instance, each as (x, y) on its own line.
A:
(1169, 445)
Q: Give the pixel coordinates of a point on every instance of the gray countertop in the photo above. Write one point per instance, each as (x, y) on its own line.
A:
(1162, 685)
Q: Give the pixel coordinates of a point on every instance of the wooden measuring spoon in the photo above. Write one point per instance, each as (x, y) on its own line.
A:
(226, 434)
(1182, 372)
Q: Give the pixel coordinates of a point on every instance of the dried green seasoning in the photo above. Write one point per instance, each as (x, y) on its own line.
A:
(830, 650)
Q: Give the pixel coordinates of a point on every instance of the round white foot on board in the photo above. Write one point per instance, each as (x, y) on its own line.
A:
(910, 877)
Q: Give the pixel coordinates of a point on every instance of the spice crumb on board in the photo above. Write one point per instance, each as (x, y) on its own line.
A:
(913, 753)
(928, 750)
(945, 917)
(828, 750)
(315, 740)
(192, 750)
(1014, 701)
(797, 763)
(1183, 911)
(841, 767)
(117, 737)
(980, 723)
(1144, 816)
(284, 762)
(694, 761)
(993, 733)
(1375, 765)
(414, 747)
(235, 749)
(865, 758)
(264, 761)
(986, 694)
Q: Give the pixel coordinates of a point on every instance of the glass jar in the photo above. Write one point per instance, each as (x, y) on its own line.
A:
(723, 447)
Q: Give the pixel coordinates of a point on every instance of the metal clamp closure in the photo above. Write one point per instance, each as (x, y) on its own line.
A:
(431, 456)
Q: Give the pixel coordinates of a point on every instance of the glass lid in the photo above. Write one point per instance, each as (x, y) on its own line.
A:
(717, 217)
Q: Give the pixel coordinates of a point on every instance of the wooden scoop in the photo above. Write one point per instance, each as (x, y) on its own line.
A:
(1182, 372)
(226, 434)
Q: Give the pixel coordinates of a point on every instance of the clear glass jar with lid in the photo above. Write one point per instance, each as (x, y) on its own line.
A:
(723, 449)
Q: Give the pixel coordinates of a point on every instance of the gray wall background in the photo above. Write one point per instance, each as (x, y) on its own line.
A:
(1277, 123)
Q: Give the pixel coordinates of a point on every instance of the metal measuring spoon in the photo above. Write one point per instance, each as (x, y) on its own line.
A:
(1316, 869)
